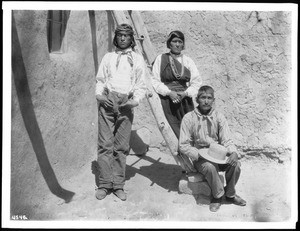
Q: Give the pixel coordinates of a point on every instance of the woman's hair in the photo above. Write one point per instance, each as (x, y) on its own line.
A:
(125, 28)
(173, 34)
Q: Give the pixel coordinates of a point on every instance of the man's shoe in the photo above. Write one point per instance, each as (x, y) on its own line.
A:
(237, 200)
(215, 204)
(101, 193)
(121, 194)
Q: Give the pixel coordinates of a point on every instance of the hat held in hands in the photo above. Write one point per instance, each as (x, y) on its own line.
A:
(216, 153)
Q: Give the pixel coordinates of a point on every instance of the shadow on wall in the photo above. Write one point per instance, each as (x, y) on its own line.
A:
(28, 114)
(94, 38)
(111, 28)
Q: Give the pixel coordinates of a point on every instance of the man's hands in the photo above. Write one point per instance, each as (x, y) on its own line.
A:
(128, 105)
(232, 159)
(104, 101)
(176, 97)
(107, 103)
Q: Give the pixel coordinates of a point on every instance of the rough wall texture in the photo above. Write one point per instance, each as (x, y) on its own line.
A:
(61, 89)
(245, 56)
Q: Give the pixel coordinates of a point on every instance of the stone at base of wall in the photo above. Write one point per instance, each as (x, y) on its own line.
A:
(195, 177)
(194, 183)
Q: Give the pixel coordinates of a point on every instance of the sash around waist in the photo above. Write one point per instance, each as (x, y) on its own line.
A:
(176, 86)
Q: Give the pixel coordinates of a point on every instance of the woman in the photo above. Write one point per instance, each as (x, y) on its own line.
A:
(176, 80)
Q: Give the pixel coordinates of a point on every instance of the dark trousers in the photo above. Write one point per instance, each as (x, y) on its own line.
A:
(210, 171)
(114, 129)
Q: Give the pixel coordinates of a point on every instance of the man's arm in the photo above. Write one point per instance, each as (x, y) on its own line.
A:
(225, 138)
(101, 76)
(140, 88)
(186, 138)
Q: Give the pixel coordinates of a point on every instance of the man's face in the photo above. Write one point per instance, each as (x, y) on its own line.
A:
(176, 45)
(123, 40)
(205, 101)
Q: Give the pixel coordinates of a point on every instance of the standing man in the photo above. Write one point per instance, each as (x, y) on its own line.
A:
(120, 86)
(201, 128)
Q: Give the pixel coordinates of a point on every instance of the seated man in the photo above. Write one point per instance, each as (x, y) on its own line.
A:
(200, 128)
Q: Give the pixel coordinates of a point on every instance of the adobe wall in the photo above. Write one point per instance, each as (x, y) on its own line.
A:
(245, 56)
(59, 107)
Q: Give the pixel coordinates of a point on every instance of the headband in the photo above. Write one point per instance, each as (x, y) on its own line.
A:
(175, 33)
(124, 28)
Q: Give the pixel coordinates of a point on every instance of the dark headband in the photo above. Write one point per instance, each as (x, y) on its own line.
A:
(175, 33)
(124, 28)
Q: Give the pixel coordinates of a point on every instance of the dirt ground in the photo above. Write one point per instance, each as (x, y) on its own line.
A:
(152, 190)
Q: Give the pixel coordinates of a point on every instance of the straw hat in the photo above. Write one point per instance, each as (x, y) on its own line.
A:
(216, 153)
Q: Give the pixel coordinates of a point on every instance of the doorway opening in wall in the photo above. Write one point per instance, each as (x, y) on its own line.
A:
(56, 28)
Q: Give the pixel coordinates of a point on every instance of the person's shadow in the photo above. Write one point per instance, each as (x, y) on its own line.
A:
(32, 127)
(95, 171)
(166, 176)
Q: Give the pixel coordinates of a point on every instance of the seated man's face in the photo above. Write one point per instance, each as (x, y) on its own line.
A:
(205, 101)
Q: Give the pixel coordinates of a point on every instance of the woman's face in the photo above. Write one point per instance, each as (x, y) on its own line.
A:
(176, 45)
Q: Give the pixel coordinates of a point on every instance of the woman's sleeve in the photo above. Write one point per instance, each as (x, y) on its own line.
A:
(195, 81)
(158, 86)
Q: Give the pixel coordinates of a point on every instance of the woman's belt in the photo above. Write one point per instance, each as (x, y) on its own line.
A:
(176, 85)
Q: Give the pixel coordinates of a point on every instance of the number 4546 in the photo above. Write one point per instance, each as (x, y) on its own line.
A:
(19, 217)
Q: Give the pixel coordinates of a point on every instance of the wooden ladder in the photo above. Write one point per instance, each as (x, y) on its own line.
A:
(146, 49)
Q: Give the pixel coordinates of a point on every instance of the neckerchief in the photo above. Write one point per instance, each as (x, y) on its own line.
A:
(209, 118)
(124, 52)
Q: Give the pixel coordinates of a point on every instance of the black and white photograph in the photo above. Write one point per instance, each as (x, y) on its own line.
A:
(149, 115)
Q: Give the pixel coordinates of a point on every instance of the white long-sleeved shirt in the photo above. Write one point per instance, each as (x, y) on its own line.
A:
(194, 83)
(198, 131)
(125, 78)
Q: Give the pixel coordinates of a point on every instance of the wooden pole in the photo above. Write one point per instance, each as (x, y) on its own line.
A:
(142, 31)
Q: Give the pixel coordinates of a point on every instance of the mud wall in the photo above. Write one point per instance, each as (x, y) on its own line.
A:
(54, 112)
(245, 56)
